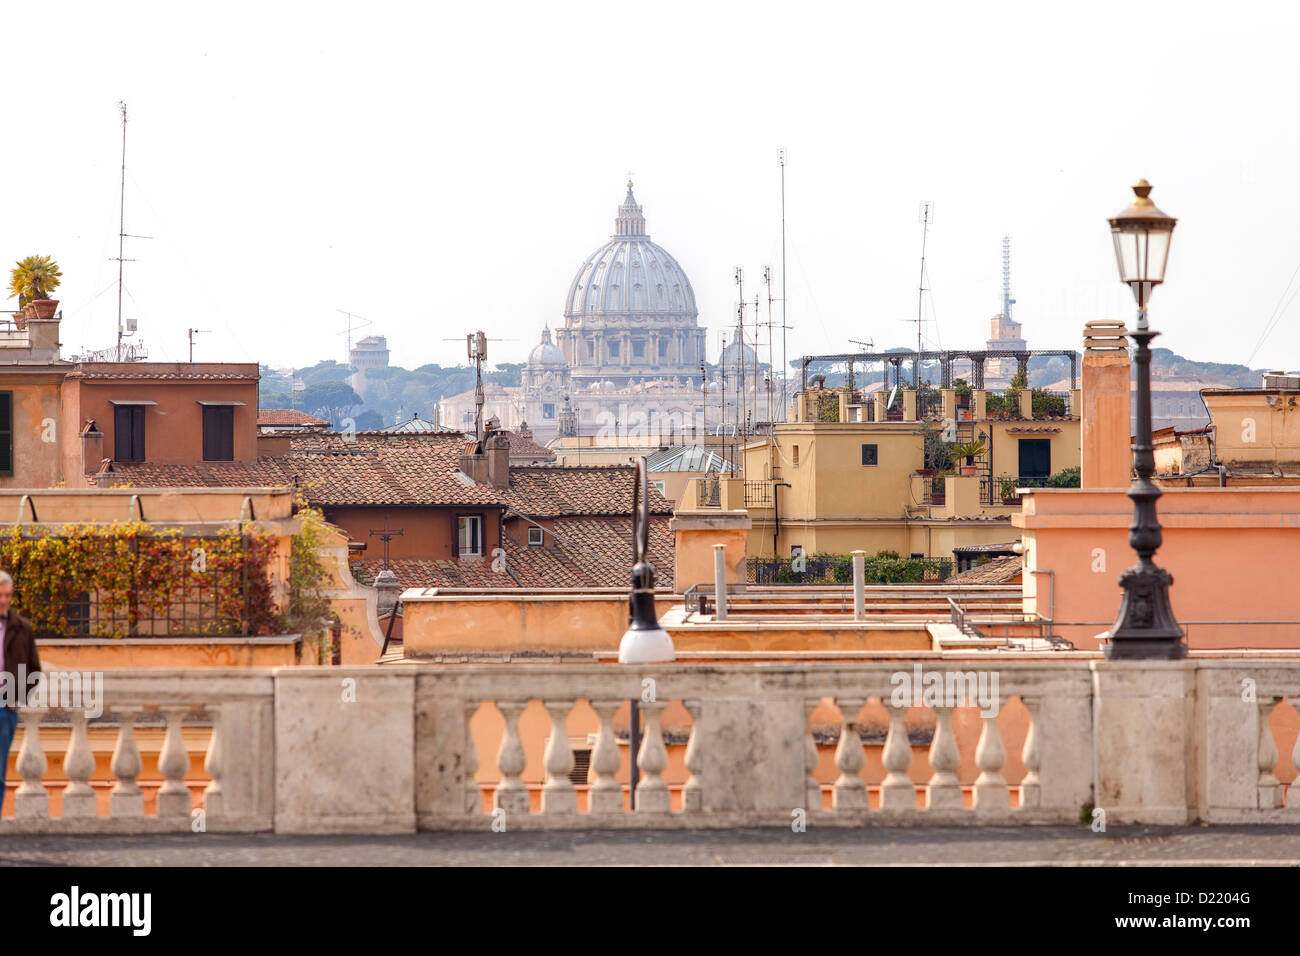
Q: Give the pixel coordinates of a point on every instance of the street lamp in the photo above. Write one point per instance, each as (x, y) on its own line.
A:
(1145, 628)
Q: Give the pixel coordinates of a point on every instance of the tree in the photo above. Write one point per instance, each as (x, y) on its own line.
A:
(35, 277)
(332, 400)
(369, 421)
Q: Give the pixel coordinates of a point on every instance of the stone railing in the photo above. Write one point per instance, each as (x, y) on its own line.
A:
(383, 749)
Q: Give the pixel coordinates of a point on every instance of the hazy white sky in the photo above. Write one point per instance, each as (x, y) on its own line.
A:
(438, 168)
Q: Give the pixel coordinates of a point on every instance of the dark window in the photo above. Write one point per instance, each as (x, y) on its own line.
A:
(6, 433)
(868, 454)
(218, 433)
(613, 348)
(638, 349)
(663, 348)
(1035, 457)
(128, 433)
(548, 410)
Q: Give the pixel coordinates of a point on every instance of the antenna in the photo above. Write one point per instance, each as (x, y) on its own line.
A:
(1007, 301)
(767, 281)
(926, 216)
(347, 359)
(122, 236)
(194, 332)
(785, 295)
(476, 346)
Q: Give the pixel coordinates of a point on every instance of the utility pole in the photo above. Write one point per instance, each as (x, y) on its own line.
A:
(927, 209)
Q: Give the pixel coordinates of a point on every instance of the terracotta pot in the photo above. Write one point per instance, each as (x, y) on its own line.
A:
(42, 308)
(969, 471)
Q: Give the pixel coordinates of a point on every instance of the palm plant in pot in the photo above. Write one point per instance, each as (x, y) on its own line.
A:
(32, 280)
(964, 452)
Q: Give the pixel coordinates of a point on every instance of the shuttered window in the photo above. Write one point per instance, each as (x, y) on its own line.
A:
(6, 433)
(128, 433)
(1035, 457)
(218, 433)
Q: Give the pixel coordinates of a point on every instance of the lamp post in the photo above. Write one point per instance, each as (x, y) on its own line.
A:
(1145, 628)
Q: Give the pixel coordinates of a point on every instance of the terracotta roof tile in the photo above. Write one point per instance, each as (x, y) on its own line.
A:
(287, 416)
(1005, 570)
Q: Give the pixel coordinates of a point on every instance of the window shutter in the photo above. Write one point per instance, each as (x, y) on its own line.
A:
(6, 433)
(455, 536)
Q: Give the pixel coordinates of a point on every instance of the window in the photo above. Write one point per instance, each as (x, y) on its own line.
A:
(6, 433)
(638, 349)
(796, 456)
(613, 348)
(548, 410)
(218, 433)
(128, 433)
(469, 536)
(535, 537)
(1035, 457)
(869, 454)
(591, 349)
(659, 487)
(663, 348)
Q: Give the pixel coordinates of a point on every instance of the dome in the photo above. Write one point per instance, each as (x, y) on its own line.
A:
(546, 353)
(630, 275)
(736, 350)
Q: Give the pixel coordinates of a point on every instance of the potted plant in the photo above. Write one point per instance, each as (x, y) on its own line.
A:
(1009, 486)
(32, 280)
(967, 451)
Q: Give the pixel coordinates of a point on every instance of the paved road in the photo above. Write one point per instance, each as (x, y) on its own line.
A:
(1266, 845)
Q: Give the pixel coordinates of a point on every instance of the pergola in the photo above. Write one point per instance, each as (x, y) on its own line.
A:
(945, 358)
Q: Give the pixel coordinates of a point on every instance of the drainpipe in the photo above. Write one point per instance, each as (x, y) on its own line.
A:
(776, 513)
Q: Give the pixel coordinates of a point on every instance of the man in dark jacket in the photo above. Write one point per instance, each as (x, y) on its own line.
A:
(17, 658)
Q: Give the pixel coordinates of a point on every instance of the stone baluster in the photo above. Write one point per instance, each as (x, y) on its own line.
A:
(558, 793)
(897, 791)
(652, 794)
(812, 789)
(125, 799)
(511, 793)
(79, 764)
(174, 764)
(943, 792)
(991, 790)
(606, 794)
(32, 799)
(473, 795)
(1293, 791)
(1270, 790)
(1031, 791)
(214, 766)
(693, 791)
(850, 792)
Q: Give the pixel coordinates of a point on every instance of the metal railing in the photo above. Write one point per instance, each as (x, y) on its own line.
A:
(1001, 489)
(1050, 404)
(929, 402)
(142, 586)
(708, 492)
(758, 494)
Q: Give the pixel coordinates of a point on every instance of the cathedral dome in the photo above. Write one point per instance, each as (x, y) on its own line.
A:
(547, 353)
(630, 275)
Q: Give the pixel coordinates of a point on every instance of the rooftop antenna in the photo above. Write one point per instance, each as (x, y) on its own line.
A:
(767, 281)
(194, 332)
(476, 346)
(347, 360)
(780, 155)
(1007, 301)
(122, 236)
(926, 217)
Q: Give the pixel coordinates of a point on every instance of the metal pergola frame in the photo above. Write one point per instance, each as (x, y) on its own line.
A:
(945, 357)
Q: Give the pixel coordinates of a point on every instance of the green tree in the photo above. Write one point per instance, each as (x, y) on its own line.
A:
(332, 400)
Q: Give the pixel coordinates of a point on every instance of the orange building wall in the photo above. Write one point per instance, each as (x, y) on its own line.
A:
(427, 533)
(37, 426)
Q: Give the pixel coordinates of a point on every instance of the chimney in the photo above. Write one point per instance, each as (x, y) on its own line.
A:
(497, 448)
(92, 448)
(43, 339)
(1105, 420)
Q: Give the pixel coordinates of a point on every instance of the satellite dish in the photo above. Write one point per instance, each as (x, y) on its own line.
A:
(893, 393)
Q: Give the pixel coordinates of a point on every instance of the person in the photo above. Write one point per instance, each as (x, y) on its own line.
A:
(17, 656)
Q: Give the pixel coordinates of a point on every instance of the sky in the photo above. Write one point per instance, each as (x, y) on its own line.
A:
(441, 168)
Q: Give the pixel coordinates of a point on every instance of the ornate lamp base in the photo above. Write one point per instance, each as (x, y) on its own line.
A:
(1145, 628)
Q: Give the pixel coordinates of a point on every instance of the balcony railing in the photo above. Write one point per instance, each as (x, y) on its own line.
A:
(758, 494)
(995, 739)
(1001, 489)
(708, 492)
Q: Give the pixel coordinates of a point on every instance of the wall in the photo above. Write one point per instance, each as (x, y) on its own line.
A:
(427, 533)
(1231, 552)
(174, 426)
(1247, 430)
(38, 427)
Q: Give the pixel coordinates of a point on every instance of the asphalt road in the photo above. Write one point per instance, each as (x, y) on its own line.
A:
(1057, 845)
